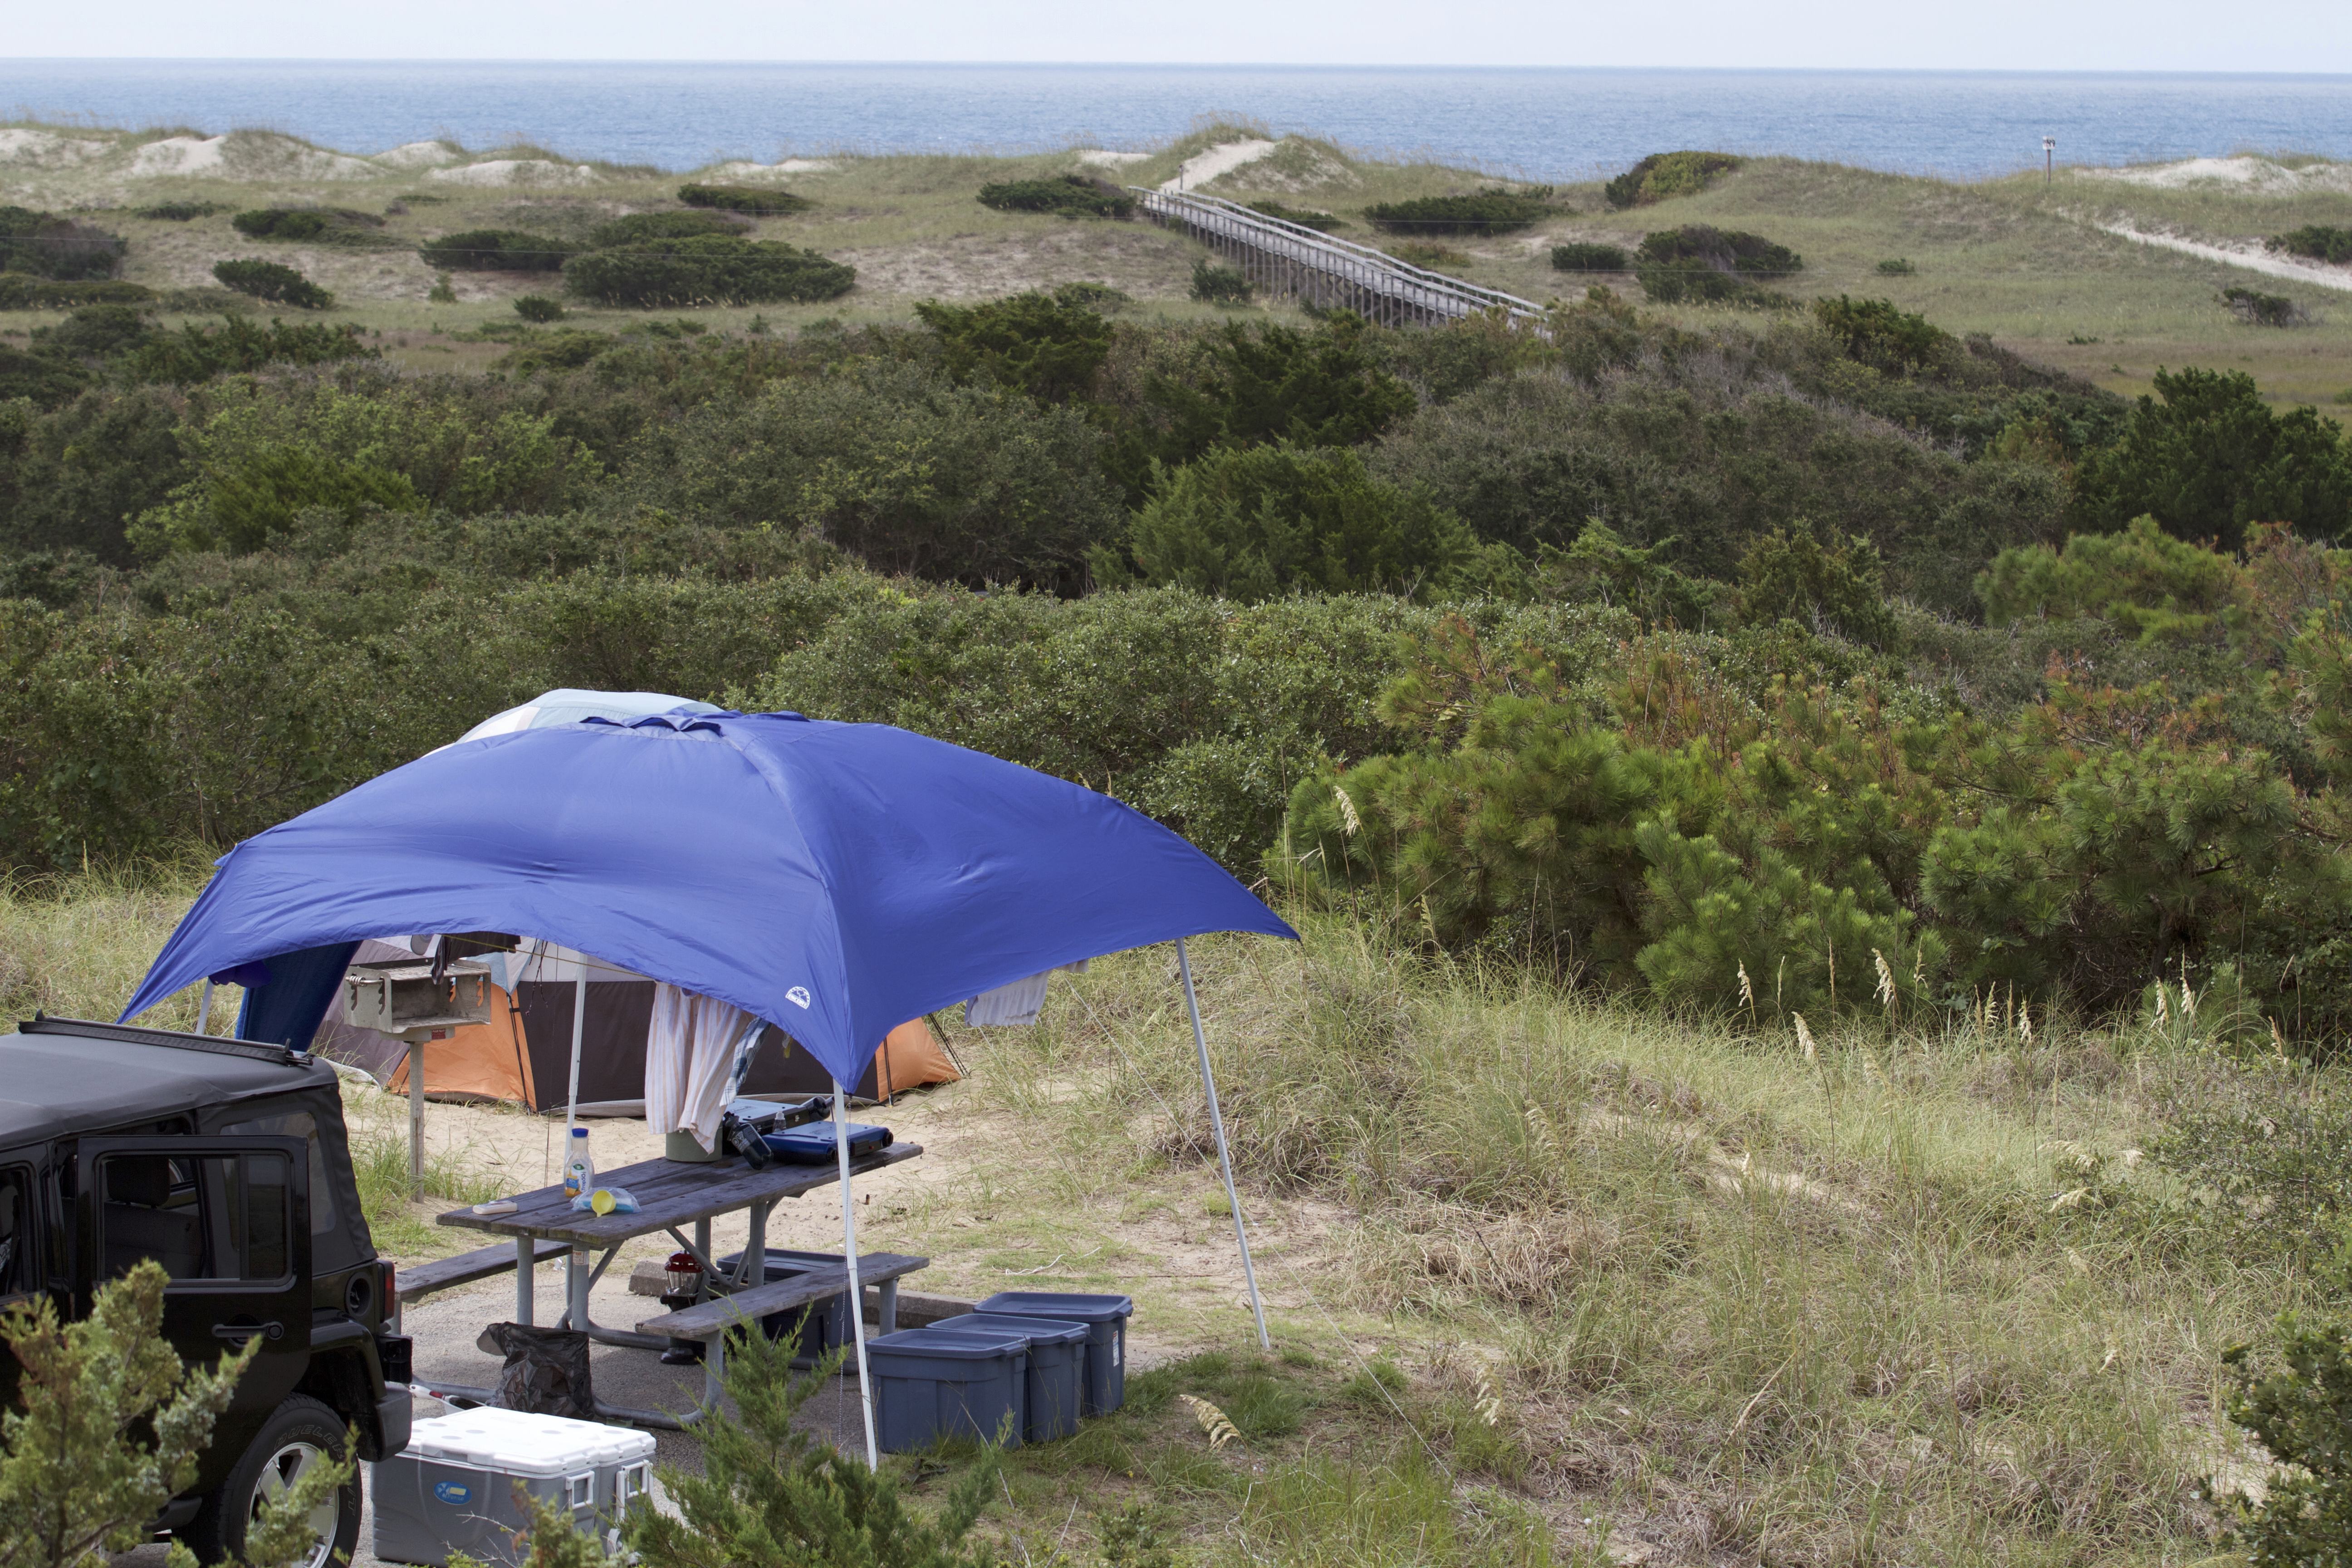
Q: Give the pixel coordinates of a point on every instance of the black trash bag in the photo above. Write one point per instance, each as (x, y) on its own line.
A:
(546, 1370)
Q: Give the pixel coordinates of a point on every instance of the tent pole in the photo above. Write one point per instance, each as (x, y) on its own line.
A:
(849, 1252)
(204, 1009)
(1224, 1154)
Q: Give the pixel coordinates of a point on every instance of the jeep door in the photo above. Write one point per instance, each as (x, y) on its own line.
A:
(228, 1218)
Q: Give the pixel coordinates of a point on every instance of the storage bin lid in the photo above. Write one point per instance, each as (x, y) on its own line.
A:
(956, 1345)
(1040, 1331)
(516, 1443)
(1057, 1304)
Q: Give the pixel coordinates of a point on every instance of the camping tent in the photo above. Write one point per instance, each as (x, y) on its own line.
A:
(523, 1053)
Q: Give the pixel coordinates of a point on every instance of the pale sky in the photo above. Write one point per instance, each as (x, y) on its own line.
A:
(2297, 35)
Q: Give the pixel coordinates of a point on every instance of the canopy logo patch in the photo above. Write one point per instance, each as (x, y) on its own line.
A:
(798, 996)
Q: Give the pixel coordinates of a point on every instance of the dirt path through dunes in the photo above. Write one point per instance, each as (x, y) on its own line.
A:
(1222, 159)
(2247, 256)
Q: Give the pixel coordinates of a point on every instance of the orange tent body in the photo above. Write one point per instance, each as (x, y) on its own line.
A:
(495, 1060)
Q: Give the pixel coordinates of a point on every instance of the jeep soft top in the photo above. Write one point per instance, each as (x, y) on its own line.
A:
(225, 1162)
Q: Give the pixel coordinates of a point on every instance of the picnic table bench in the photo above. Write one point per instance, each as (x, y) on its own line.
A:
(825, 1275)
(414, 1283)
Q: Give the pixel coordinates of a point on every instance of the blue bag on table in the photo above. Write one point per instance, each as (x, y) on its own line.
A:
(813, 1144)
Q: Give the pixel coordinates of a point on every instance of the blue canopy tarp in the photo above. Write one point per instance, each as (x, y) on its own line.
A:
(835, 879)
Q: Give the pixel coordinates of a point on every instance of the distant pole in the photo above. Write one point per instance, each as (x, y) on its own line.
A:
(2049, 159)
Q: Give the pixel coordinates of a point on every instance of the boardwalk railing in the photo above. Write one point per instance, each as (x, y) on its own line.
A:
(1288, 259)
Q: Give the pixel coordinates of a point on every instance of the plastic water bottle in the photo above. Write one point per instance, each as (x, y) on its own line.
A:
(580, 1170)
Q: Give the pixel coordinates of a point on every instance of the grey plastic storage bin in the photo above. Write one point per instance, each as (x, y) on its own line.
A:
(1057, 1369)
(1105, 1320)
(937, 1383)
(452, 1488)
(823, 1323)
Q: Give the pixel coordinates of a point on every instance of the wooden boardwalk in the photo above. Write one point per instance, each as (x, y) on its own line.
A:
(1286, 259)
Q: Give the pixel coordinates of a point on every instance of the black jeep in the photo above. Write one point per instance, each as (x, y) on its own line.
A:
(225, 1162)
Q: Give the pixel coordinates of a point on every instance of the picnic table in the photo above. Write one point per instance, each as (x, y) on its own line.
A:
(670, 1194)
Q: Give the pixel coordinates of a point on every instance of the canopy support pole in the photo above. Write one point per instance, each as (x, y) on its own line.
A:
(1225, 1153)
(204, 1009)
(579, 1025)
(849, 1254)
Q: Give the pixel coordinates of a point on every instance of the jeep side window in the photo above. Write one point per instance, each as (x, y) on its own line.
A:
(16, 1261)
(213, 1217)
(303, 1125)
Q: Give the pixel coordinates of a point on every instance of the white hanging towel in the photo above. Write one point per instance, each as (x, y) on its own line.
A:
(1018, 1002)
(697, 1049)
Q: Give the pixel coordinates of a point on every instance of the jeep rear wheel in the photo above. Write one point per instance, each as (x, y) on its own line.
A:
(301, 1435)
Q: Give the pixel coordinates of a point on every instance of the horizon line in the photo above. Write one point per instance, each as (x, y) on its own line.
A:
(2207, 75)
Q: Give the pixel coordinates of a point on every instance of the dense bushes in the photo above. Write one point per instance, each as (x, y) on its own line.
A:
(1495, 210)
(497, 250)
(708, 269)
(638, 228)
(1664, 174)
(2257, 309)
(1215, 285)
(268, 280)
(2318, 241)
(756, 201)
(95, 334)
(22, 292)
(177, 212)
(1033, 342)
(46, 245)
(1876, 333)
(1586, 257)
(1670, 819)
(1068, 196)
(970, 484)
(329, 225)
(1705, 265)
(2211, 459)
(1253, 523)
(1304, 217)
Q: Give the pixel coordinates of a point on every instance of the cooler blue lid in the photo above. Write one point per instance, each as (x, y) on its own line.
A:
(1041, 1330)
(1058, 1304)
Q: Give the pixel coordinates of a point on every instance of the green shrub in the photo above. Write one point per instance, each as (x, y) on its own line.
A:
(755, 200)
(196, 354)
(1066, 195)
(1304, 217)
(1702, 264)
(2293, 1399)
(1254, 522)
(178, 212)
(330, 226)
(1215, 285)
(1896, 266)
(566, 350)
(60, 248)
(896, 465)
(49, 380)
(1838, 582)
(22, 292)
(2142, 579)
(2261, 309)
(2264, 1152)
(2211, 459)
(497, 250)
(1085, 295)
(2318, 242)
(1031, 342)
(442, 292)
(1584, 256)
(1664, 174)
(712, 269)
(277, 285)
(1877, 333)
(538, 308)
(638, 228)
(1493, 210)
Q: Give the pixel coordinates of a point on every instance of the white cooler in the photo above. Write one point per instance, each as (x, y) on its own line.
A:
(452, 1488)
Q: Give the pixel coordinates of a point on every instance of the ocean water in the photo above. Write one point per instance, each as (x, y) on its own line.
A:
(1535, 123)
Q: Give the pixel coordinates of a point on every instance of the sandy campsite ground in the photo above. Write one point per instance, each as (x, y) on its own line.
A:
(973, 1204)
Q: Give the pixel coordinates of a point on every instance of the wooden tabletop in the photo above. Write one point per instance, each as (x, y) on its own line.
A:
(669, 1192)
